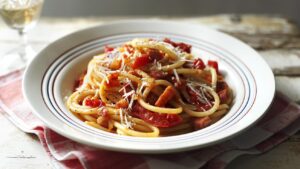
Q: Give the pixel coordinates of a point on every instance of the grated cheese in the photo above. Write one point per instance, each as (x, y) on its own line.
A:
(176, 75)
(158, 64)
(126, 95)
(130, 83)
(123, 88)
(123, 66)
(202, 98)
(203, 94)
(144, 83)
(131, 102)
(124, 119)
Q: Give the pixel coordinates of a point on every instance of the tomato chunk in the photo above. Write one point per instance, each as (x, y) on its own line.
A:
(198, 64)
(113, 80)
(156, 119)
(141, 61)
(94, 102)
(108, 49)
(213, 64)
(182, 46)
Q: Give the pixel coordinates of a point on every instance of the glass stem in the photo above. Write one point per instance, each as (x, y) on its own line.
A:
(23, 45)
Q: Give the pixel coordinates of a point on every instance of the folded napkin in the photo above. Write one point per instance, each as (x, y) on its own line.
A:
(281, 121)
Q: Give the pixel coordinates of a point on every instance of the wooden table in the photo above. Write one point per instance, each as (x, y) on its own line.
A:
(276, 39)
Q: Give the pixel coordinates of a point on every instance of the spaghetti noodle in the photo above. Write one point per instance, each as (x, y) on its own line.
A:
(150, 88)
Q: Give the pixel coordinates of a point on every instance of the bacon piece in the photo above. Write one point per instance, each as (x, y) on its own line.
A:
(104, 118)
(122, 104)
(223, 91)
(115, 64)
(202, 122)
(104, 113)
(165, 97)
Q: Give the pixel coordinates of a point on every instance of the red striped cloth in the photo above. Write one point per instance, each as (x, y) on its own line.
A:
(281, 121)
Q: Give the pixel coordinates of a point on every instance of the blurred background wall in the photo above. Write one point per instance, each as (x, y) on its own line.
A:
(172, 8)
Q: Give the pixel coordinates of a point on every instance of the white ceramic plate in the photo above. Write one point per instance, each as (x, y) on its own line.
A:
(50, 77)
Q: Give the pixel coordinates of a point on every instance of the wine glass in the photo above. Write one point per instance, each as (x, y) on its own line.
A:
(20, 15)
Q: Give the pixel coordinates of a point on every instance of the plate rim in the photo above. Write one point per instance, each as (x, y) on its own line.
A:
(48, 123)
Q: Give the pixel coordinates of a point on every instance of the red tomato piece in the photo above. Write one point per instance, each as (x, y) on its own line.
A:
(167, 40)
(141, 61)
(113, 83)
(113, 80)
(156, 119)
(88, 102)
(108, 49)
(213, 64)
(198, 64)
(94, 103)
(182, 46)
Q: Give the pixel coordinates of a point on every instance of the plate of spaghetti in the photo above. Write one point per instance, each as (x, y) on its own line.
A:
(148, 86)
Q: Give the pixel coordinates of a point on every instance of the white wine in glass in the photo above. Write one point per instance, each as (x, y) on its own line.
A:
(20, 15)
(23, 17)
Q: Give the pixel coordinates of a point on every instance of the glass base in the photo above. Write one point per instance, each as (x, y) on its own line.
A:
(16, 59)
